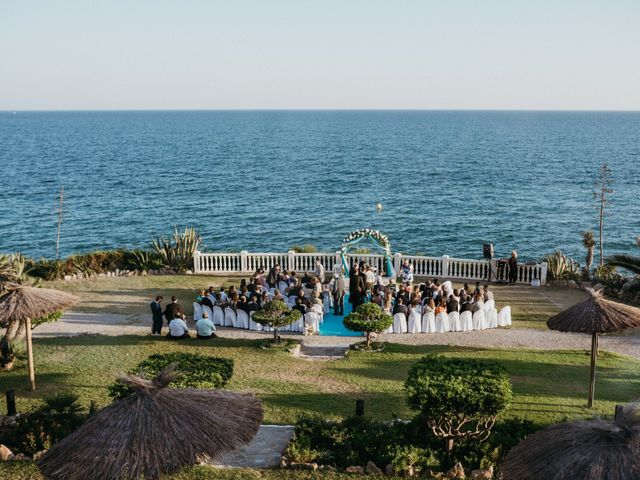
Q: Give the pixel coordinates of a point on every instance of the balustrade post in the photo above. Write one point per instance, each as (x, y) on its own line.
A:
(543, 273)
(196, 262)
(243, 261)
(397, 262)
(445, 266)
(291, 258)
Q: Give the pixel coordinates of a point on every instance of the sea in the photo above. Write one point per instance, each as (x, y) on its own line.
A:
(446, 181)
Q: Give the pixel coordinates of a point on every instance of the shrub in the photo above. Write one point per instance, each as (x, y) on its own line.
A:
(194, 370)
(609, 277)
(306, 248)
(177, 251)
(276, 314)
(458, 398)
(410, 461)
(51, 318)
(368, 318)
(58, 417)
(143, 260)
(560, 267)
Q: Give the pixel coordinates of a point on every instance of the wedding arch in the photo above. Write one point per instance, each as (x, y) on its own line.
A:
(379, 239)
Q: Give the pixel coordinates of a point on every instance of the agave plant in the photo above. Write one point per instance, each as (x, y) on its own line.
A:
(177, 251)
(559, 266)
(144, 260)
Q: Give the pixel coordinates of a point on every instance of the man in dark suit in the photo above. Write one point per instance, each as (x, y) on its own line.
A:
(452, 304)
(156, 316)
(357, 286)
(173, 310)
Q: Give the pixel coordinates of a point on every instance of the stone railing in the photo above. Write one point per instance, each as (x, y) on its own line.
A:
(444, 267)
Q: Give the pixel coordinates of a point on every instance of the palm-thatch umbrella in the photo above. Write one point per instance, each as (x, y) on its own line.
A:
(595, 315)
(153, 432)
(23, 304)
(585, 450)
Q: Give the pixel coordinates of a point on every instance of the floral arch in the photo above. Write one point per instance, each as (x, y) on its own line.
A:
(379, 239)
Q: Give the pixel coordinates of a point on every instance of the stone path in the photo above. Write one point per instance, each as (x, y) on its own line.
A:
(264, 451)
(321, 352)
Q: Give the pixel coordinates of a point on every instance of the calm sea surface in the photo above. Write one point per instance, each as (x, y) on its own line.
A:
(266, 180)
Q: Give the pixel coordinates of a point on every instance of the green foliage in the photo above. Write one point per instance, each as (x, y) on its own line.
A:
(58, 417)
(628, 262)
(368, 318)
(608, 276)
(177, 251)
(560, 267)
(194, 370)
(144, 260)
(408, 460)
(276, 314)
(306, 248)
(454, 394)
(51, 318)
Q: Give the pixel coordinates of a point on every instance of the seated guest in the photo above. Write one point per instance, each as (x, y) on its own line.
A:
(293, 280)
(375, 297)
(178, 329)
(452, 304)
(400, 306)
(222, 296)
(299, 306)
(442, 306)
(206, 301)
(173, 310)
(243, 284)
(478, 302)
(233, 302)
(488, 295)
(277, 296)
(252, 305)
(242, 303)
(205, 327)
(429, 307)
(211, 294)
(466, 304)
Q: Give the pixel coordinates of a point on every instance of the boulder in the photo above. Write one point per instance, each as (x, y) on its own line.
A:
(482, 473)
(355, 469)
(21, 457)
(372, 469)
(38, 455)
(5, 453)
(389, 469)
(572, 284)
(67, 278)
(457, 472)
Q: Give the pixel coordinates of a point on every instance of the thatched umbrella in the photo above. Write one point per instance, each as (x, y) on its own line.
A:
(23, 304)
(594, 316)
(585, 450)
(155, 431)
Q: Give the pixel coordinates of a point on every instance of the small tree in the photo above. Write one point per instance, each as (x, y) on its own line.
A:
(276, 314)
(589, 242)
(459, 398)
(368, 318)
(601, 196)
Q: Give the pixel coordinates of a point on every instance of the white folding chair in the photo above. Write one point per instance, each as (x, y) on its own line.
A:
(466, 321)
(282, 286)
(442, 322)
(253, 325)
(504, 317)
(209, 312)
(429, 322)
(479, 320)
(218, 315)
(399, 323)
(492, 318)
(298, 325)
(489, 304)
(242, 319)
(454, 322)
(414, 324)
(197, 311)
(230, 318)
(311, 319)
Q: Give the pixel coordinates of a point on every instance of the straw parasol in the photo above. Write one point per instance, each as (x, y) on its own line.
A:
(23, 304)
(585, 450)
(596, 315)
(155, 431)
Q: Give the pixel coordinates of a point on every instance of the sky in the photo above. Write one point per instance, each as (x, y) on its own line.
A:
(319, 54)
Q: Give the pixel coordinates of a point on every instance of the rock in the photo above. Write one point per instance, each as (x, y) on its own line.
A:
(457, 472)
(482, 473)
(598, 286)
(143, 273)
(67, 278)
(5, 453)
(311, 466)
(188, 272)
(283, 462)
(355, 469)
(572, 284)
(372, 469)
(102, 275)
(21, 457)
(389, 469)
(38, 455)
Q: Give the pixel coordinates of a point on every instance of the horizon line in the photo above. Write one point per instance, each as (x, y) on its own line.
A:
(559, 110)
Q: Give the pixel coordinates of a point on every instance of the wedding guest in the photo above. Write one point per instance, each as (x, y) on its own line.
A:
(478, 302)
(513, 267)
(442, 306)
(156, 316)
(370, 277)
(173, 310)
(452, 304)
(206, 301)
(466, 304)
(387, 304)
(299, 306)
(375, 297)
(178, 329)
(429, 307)
(407, 272)
(357, 287)
(488, 294)
(222, 296)
(400, 306)
(274, 276)
(205, 328)
(338, 295)
(319, 270)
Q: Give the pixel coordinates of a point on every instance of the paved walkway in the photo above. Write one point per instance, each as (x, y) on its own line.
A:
(321, 352)
(264, 451)
(77, 323)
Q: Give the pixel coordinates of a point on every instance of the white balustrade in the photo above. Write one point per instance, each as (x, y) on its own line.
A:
(431, 267)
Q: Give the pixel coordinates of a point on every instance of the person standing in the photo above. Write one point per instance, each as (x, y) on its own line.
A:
(338, 294)
(357, 287)
(173, 310)
(156, 315)
(319, 271)
(513, 267)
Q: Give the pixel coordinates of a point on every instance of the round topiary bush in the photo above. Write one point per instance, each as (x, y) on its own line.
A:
(276, 314)
(368, 318)
(194, 371)
(458, 398)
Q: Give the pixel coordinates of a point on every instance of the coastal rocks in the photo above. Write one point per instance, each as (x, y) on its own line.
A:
(372, 469)
(5, 453)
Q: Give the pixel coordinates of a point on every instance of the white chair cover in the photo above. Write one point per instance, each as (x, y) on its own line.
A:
(197, 311)
(230, 318)
(466, 321)
(454, 322)
(442, 322)
(479, 320)
(272, 292)
(253, 325)
(414, 324)
(399, 323)
(209, 312)
(492, 318)
(504, 317)
(311, 318)
(317, 309)
(429, 322)
(489, 304)
(218, 315)
(326, 304)
(298, 325)
(242, 319)
(282, 286)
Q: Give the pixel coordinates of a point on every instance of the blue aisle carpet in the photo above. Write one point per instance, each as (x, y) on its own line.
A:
(333, 326)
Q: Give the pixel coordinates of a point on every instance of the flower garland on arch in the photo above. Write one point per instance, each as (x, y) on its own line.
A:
(379, 238)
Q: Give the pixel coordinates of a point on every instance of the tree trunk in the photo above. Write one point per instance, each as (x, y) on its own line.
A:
(368, 339)
(592, 379)
(6, 345)
(448, 444)
(275, 334)
(601, 228)
(32, 371)
(589, 258)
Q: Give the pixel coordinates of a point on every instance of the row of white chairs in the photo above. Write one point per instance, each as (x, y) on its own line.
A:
(452, 322)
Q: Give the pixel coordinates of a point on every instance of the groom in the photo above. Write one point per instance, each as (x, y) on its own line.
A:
(357, 286)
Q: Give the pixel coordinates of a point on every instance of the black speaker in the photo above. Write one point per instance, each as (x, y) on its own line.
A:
(487, 251)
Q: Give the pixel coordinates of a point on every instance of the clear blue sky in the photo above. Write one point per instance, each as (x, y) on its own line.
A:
(413, 54)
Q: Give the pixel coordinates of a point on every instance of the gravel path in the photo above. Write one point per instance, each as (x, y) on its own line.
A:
(77, 323)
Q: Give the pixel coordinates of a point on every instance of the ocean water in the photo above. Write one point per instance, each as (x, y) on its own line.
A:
(266, 180)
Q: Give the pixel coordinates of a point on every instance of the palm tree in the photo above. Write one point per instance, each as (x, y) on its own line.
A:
(589, 243)
(626, 261)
